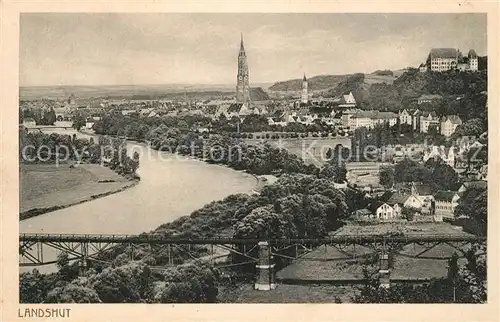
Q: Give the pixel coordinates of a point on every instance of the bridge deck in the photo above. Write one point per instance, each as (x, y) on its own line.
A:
(152, 239)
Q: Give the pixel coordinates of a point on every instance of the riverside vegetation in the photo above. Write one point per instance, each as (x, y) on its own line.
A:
(50, 180)
(303, 202)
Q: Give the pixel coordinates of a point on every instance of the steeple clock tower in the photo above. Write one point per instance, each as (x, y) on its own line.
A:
(305, 94)
(242, 82)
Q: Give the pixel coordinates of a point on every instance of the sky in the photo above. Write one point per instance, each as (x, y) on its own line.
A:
(188, 48)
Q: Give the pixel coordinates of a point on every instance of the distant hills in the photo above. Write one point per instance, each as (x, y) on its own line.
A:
(315, 83)
(139, 92)
(322, 83)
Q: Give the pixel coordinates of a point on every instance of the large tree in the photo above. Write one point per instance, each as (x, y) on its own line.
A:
(474, 205)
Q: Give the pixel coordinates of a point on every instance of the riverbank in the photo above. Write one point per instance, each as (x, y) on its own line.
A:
(49, 187)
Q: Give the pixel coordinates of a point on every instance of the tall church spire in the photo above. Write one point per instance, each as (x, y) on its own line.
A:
(242, 81)
(305, 93)
(242, 47)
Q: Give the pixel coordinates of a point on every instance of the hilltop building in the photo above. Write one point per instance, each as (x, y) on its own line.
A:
(305, 94)
(473, 60)
(429, 99)
(442, 59)
(242, 81)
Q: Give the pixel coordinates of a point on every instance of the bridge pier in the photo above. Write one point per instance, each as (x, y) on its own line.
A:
(265, 269)
(384, 273)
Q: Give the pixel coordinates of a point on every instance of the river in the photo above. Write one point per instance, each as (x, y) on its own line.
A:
(171, 186)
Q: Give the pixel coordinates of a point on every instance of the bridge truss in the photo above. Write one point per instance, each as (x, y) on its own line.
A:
(40, 249)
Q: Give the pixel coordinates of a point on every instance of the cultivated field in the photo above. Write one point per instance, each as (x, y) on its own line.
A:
(312, 150)
(407, 229)
(334, 264)
(290, 294)
(45, 187)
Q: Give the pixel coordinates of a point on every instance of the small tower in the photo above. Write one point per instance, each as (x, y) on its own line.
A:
(305, 95)
(473, 60)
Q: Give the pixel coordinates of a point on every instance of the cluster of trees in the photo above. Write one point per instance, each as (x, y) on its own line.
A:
(43, 147)
(405, 90)
(463, 284)
(382, 135)
(473, 204)
(297, 206)
(221, 149)
(124, 281)
(54, 147)
(435, 172)
(41, 117)
(79, 121)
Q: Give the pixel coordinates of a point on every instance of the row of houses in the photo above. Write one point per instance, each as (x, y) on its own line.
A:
(417, 199)
(423, 121)
(355, 119)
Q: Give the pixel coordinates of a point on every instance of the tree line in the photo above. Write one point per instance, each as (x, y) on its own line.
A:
(39, 147)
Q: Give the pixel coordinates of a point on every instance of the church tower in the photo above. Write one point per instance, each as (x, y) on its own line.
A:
(305, 95)
(242, 82)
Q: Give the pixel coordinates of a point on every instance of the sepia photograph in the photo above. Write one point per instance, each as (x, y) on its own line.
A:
(252, 158)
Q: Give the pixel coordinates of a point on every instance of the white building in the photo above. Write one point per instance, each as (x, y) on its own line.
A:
(346, 117)
(348, 101)
(449, 124)
(428, 119)
(446, 202)
(443, 59)
(369, 119)
(429, 98)
(473, 60)
(421, 198)
(405, 117)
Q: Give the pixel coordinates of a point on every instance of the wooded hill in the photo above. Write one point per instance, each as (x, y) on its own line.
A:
(315, 83)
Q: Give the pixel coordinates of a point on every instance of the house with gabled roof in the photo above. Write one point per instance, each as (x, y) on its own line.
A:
(238, 109)
(421, 198)
(397, 201)
(449, 124)
(427, 120)
(347, 101)
(405, 117)
(381, 210)
(446, 202)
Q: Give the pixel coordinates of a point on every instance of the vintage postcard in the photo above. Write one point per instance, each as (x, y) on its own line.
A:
(159, 156)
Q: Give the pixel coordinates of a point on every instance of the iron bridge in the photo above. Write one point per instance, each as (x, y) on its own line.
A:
(86, 247)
